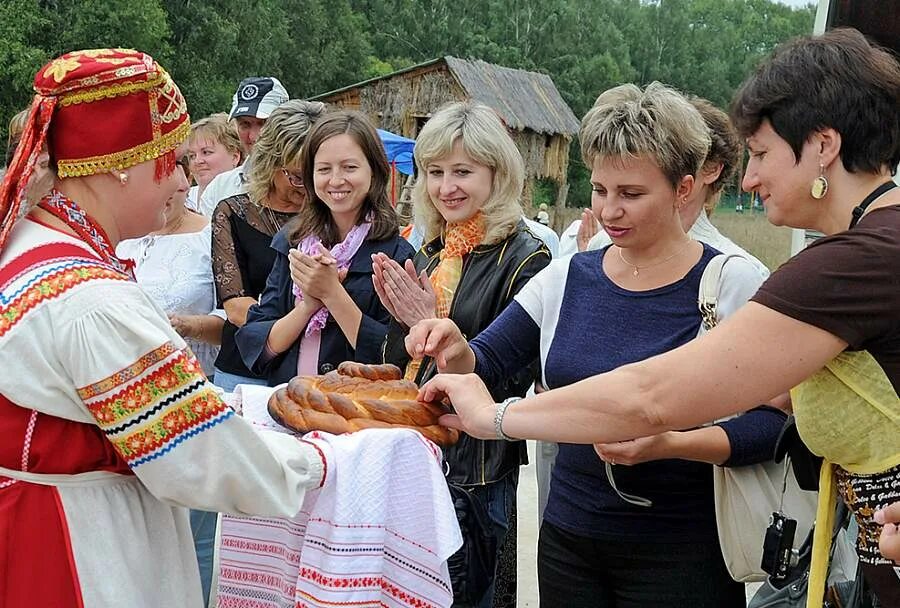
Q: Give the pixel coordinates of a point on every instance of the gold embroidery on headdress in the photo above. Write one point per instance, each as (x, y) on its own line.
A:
(125, 158)
(175, 104)
(113, 90)
(60, 67)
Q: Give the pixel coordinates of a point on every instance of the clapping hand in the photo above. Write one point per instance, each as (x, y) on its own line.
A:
(407, 296)
(587, 230)
(317, 276)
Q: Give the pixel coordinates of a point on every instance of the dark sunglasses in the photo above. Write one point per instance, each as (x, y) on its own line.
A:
(293, 179)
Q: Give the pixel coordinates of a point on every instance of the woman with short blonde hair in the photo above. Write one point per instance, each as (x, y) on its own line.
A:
(657, 123)
(484, 138)
(477, 255)
(213, 147)
(217, 127)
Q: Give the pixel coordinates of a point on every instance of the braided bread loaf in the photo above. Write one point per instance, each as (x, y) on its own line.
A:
(354, 397)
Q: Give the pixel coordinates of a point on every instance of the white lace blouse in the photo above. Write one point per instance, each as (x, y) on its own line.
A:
(176, 270)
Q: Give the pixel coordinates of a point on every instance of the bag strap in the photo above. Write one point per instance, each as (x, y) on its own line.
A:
(707, 301)
(708, 296)
(634, 499)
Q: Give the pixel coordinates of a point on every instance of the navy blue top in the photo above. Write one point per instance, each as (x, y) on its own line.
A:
(277, 299)
(601, 327)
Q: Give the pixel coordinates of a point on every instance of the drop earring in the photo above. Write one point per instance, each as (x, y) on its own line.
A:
(123, 178)
(820, 184)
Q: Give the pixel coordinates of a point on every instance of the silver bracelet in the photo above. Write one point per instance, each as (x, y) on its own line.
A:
(498, 418)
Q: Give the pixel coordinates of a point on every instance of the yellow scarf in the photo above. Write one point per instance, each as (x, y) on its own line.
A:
(459, 241)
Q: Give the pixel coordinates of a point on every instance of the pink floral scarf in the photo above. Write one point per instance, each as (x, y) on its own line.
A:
(343, 252)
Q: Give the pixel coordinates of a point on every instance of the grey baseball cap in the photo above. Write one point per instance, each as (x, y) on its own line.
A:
(258, 96)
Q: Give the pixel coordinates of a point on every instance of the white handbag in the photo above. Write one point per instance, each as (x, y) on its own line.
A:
(747, 496)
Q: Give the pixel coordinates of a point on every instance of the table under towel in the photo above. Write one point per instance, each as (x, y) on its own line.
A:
(378, 533)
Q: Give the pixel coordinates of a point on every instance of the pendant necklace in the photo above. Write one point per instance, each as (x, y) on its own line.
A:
(637, 268)
(176, 225)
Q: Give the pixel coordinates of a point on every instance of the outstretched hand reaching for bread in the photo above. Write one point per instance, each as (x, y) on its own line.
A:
(356, 397)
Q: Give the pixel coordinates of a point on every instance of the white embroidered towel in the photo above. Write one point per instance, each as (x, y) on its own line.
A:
(379, 532)
(383, 527)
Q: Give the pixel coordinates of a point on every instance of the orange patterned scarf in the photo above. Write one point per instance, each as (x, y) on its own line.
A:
(459, 240)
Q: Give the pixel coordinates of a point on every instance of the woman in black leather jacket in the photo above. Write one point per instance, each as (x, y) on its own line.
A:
(477, 255)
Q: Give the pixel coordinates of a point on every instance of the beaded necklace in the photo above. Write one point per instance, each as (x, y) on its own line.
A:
(67, 211)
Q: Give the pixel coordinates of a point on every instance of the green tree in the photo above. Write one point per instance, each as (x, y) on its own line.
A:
(32, 32)
(220, 42)
(705, 47)
(310, 45)
(88, 24)
(329, 46)
(20, 57)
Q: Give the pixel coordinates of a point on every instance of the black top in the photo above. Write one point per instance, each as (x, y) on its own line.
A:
(491, 276)
(242, 259)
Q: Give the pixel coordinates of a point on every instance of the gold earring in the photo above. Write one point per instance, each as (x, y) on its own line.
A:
(820, 184)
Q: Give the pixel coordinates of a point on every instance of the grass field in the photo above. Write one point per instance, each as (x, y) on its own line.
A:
(751, 231)
(771, 244)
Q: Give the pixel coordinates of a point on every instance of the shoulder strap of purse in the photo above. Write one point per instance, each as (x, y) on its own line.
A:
(707, 300)
(708, 296)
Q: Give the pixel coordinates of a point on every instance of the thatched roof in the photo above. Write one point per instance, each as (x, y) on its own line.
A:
(525, 100)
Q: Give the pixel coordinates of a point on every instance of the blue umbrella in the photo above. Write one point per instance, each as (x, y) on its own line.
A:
(399, 150)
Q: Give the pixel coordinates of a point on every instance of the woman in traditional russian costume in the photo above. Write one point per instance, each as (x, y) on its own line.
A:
(109, 428)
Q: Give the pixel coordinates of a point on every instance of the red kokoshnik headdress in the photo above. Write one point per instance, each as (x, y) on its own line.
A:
(98, 111)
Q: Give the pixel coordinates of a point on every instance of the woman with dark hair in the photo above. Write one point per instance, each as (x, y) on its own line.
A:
(243, 226)
(319, 307)
(822, 121)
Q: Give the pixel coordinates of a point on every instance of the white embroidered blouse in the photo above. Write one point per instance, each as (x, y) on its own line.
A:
(81, 341)
(176, 270)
